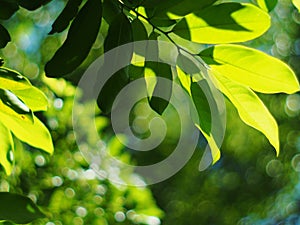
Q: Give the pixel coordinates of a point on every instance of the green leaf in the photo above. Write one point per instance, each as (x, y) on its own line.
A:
(4, 37)
(250, 108)
(34, 134)
(202, 106)
(224, 23)
(119, 33)
(267, 5)
(66, 16)
(1, 62)
(13, 106)
(33, 98)
(12, 80)
(7, 146)
(18, 209)
(296, 4)
(250, 67)
(81, 36)
(32, 4)
(7, 8)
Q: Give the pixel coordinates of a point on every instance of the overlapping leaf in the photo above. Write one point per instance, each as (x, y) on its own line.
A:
(250, 108)
(81, 36)
(224, 23)
(267, 5)
(252, 68)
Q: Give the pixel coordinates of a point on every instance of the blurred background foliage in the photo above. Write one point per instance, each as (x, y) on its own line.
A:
(249, 185)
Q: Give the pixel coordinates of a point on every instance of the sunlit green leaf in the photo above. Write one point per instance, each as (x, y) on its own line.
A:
(224, 23)
(4, 37)
(7, 8)
(7, 146)
(65, 17)
(185, 80)
(267, 5)
(81, 36)
(34, 134)
(18, 209)
(296, 4)
(12, 80)
(33, 98)
(252, 68)
(250, 108)
(11, 105)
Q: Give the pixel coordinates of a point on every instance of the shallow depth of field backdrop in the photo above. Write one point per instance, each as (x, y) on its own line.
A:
(249, 184)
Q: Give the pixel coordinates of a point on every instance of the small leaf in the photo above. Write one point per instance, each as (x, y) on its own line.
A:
(13, 106)
(38, 136)
(81, 36)
(33, 98)
(4, 37)
(7, 146)
(18, 209)
(250, 67)
(12, 80)
(32, 4)
(66, 16)
(296, 4)
(267, 5)
(235, 22)
(251, 109)
(7, 8)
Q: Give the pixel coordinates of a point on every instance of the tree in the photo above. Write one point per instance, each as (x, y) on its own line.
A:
(236, 70)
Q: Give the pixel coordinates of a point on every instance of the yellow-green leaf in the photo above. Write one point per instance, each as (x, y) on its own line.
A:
(34, 134)
(267, 5)
(12, 80)
(250, 108)
(33, 98)
(7, 146)
(252, 68)
(296, 4)
(12, 106)
(224, 23)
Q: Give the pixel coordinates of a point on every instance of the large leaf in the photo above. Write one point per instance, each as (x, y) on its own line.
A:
(7, 146)
(12, 80)
(119, 33)
(33, 98)
(252, 68)
(267, 5)
(224, 23)
(81, 36)
(296, 4)
(11, 105)
(66, 16)
(251, 109)
(18, 209)
(7, 8)
(4, 37)
(34, 134)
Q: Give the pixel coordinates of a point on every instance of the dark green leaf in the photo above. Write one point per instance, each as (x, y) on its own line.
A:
(110, 10)
(18, 208)
(4, 37)
(119, 33)
(7, 8)
(267, 5)
(32, 4)
(202, 105)
(187, 63)
(1, 62)
(82, 34)
(68, 13)
(139, 31)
